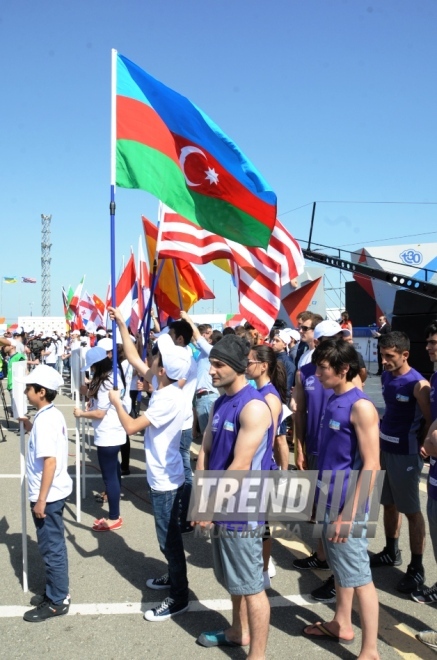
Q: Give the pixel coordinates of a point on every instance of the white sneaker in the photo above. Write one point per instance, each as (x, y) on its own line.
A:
(271, 568)
(266, 579)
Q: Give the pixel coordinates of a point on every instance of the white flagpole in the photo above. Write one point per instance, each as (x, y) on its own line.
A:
(113, 112)
(23, 505)
(78, 483)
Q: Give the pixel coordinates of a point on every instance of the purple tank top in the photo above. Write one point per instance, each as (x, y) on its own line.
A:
(338, 440)
(269, 388)
(432, 476)
(400, 425)
(225, 427)
(316, 398)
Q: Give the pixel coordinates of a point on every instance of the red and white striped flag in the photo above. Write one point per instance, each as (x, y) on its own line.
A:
(258, 275)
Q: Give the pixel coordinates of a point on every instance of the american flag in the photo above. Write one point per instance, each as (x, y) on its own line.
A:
(28, 280)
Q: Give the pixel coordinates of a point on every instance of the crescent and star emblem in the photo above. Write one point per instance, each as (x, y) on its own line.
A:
(210, 173)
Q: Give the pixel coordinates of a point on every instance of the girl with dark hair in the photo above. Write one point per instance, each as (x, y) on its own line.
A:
(109, 434)
(271, 381)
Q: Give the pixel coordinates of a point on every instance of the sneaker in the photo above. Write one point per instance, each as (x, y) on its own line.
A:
(384, 558)
(326, 593)
(45, 610)
(412, 579)
(428, 596)
(162, 582)
(311, 562)
(37, 599)
(428, 637)
(266, 580)
(168, 609)
(271, 568)
(186, 529)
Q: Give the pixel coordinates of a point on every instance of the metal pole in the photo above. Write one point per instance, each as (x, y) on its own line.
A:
(311, 226)
(23, 505)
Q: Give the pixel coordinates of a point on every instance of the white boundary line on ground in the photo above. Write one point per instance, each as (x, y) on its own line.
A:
(218, 605)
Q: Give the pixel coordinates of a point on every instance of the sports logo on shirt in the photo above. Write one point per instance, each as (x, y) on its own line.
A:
(215, 422)
(228, 426)
(402, 398)
(309, 383)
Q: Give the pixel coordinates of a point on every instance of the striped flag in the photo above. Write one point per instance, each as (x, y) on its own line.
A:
(10, 280)
(257, 274)
(28, 280)
(179, 280)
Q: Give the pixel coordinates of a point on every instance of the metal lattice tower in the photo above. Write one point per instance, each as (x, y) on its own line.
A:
(45, 264)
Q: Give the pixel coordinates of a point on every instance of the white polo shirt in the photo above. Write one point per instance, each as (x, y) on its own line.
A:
(48, 438)
(188, 391)
(166, 412)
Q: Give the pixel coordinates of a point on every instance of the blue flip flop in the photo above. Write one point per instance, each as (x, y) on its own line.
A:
(215, 638)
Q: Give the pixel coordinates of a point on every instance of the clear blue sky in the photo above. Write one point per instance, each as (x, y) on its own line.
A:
(330, 99)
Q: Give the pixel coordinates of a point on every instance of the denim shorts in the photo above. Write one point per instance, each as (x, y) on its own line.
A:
(238, 561)
(348, 561)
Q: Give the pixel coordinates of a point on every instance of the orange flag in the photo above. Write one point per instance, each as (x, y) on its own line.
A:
(299, 300)
(182, 275)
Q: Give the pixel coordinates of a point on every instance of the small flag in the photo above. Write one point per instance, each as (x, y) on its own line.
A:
(28, 280)
(10, 280)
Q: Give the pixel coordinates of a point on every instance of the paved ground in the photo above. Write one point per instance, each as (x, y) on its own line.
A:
(108, 574)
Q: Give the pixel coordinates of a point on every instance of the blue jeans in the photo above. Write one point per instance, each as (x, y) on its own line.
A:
(186, 440)
(203, 407)
(51, 544)
(111, 474)
(166, 512)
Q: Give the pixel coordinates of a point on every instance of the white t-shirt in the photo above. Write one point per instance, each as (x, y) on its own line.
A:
(188, 391)
(305, 359)
(166, 411)
(51, 358)
(108, 431)
(48, 438)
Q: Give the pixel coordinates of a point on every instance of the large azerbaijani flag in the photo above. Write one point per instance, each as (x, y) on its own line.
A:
(168, 146)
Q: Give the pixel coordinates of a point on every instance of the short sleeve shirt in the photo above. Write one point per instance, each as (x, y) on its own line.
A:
(166, 411)
(48, 438)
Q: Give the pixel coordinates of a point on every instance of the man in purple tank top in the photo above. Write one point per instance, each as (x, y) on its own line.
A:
(349, 441)
(429, 595)
(406, 419)
(238, 437)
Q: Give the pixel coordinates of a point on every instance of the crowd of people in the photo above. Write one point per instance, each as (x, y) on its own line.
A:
(251, 398)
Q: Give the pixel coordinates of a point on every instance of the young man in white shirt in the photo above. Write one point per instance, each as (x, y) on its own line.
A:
(163, 422)
(49, 484)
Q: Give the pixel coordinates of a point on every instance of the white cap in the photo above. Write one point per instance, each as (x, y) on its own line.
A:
(92, 356)
(284, 335)
(329, 329)
(292, 334)
(101, 332)
(75, 332)
(105, 343)
(43, 375)
(175, 359)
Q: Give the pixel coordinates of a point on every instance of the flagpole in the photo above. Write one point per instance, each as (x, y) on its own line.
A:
(177, 285)
(112, 205)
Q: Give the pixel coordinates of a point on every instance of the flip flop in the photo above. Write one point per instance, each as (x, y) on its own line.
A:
(327, 634)
(102, 525)
(215, 638)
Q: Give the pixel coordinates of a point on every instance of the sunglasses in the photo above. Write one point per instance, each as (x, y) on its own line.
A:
(305, 328)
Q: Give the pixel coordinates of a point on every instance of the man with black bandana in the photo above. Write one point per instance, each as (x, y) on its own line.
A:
(238, 437)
